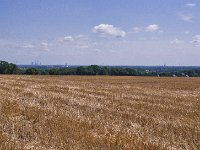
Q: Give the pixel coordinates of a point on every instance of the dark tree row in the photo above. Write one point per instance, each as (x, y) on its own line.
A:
(97, 70)
(89, 70)
(9, 68)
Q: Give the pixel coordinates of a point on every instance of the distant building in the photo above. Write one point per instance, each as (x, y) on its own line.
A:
(36, 63)
(66, 65)
(147, 71)
(183, 74)
(174, 75)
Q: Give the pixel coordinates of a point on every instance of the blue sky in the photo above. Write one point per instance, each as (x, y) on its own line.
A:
(102, 32)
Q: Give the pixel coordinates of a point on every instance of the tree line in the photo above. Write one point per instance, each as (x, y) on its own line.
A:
(86, 70)
(10, 68)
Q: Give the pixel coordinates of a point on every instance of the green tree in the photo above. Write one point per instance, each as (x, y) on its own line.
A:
(7, 68)
(32, 71)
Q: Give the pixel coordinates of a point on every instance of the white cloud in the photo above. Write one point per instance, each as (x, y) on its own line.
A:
(68, 39)
(187, 18)
(17, 45)
(176, 41)
(152, 28)
(79, 41)
(196, 40)
(81, 36)
(190, 4)
(28, 46)
(82, 46)
(185, 32)
(73, 38)
(107, 29)
(44, 46)
(136, 29)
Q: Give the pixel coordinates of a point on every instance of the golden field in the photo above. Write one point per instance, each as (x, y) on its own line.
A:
(99, 112)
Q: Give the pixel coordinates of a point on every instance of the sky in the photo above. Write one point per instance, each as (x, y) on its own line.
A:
(101, 32)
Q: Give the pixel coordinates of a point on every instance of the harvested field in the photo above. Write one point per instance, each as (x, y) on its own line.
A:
(99, 112)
